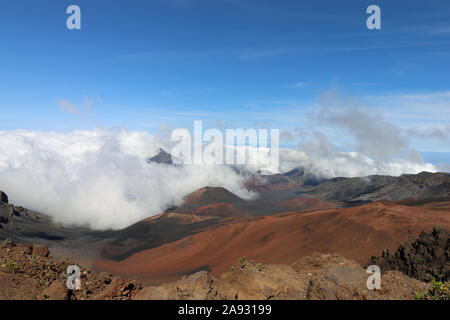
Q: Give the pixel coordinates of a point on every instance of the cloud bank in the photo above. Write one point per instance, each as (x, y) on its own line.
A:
(101, 179)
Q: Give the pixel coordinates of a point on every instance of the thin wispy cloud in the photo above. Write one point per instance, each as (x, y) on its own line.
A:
(287, 136)
(414, 108)
(67, 106)
(403, 69)
(301, 84)
(440, 31)
(276, 12)
(440, 132)
(268, 51)
(265, 52)
(88, 104)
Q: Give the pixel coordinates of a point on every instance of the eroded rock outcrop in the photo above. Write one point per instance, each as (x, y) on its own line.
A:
(424, 258)
(10, 213)
(3, 197)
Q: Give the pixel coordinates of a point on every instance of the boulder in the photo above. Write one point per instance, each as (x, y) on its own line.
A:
(25, 248)
(57, 290)
(40, 251)
(3, 197)
(7, 243)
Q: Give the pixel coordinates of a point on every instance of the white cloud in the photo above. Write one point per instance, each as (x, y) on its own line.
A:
(423, 117)
(374, 135)
(420, 108)
(99, 178)
(322, 158)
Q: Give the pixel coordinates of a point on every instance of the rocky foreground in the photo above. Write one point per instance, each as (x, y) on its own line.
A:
(316, 277)
(29, 272)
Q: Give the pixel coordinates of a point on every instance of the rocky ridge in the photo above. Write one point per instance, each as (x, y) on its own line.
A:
(424, 258)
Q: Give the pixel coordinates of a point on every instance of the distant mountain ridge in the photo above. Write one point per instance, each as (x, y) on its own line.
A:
(371, 188)
(302, 176)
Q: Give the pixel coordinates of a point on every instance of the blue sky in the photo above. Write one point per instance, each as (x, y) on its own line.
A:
(141, 64)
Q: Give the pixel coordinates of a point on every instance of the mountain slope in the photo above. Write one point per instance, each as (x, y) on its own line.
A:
(207, 196)
(356, 233)
(408, 186)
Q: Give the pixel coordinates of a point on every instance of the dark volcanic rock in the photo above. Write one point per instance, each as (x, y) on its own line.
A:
(3, 197)
(423, 259)
(161, 157)
(7, 212)
(3, 219)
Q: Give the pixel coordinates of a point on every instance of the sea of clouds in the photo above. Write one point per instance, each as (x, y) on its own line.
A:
(101, 179)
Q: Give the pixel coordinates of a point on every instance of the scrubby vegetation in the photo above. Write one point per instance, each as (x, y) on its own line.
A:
(12, 267)
(439, 291)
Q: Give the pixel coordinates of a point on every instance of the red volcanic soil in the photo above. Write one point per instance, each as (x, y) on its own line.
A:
(306, 204)
(356, 233)
(209, 195)
(440, 204)
(219, 210)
